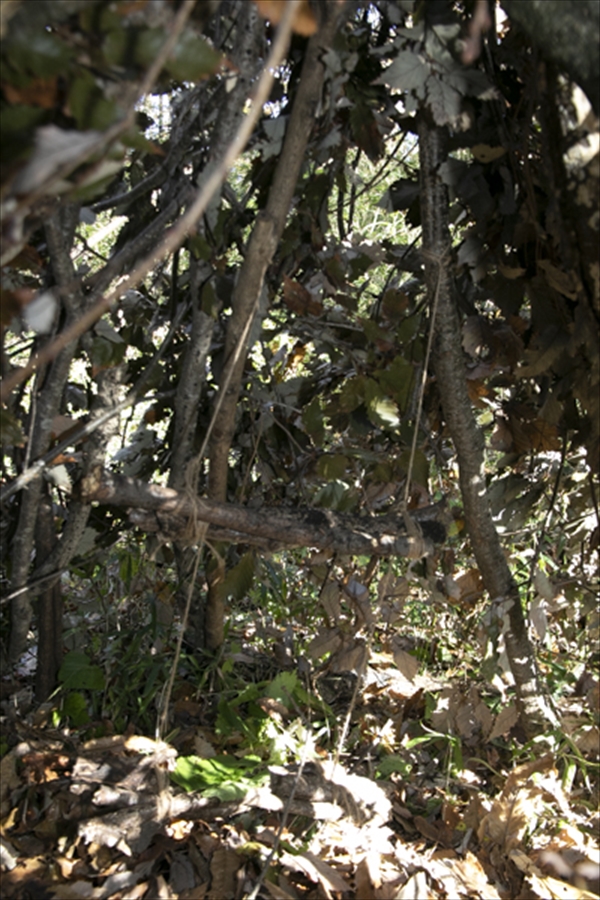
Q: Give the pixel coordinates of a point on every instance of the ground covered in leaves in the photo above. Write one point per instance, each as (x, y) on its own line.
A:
(341, 760)
(416, 810)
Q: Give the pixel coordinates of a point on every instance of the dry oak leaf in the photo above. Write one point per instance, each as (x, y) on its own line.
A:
(304, 23)
(299, 300)
(317, 870)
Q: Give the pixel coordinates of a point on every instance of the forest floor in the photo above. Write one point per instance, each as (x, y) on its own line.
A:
(280, 775)
(434, 800)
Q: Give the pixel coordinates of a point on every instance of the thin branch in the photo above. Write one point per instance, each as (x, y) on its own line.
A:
(119, 128)
(170, 512)
(175, 237)
(440, 261)
(134, 396)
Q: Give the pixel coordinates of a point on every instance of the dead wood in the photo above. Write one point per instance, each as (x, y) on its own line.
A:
(159, 509)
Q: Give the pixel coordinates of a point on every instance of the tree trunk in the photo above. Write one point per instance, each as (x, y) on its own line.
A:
(467, 437)
(566, 31)
(247, 56)
(48, 392)
(49, 616)
(54, 556)
(263, 242)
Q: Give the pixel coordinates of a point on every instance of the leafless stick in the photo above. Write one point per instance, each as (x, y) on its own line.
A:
(175, 237)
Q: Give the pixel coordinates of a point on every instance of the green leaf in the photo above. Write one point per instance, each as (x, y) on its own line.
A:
(147, 46)
(358, 265)
(394, 304)
(336, 495)
(11, 433)
(19, 117)
(282, 687)
(228, 791)
(104, 353)
(238, 580)
(223, 777)
(114, 47)
(383, 412)
(397, 381)
(390, 764)
(77, 672)
(407, 72)
(137, 141)
(99, 18)
(351, 394)
(365, 131)
(128, 568)
(192, 773)
(96, 182)
(246, 695)
(201, 249)
(105, 330)
(316, 188)
(444, 101)
(89, 106)
(375, 332)
(332, 467)
(38, 52)
(420, 469)
(472, 82)
(334, 269)
(193, 59)
(407, 329)
(75, 707)
(313, 420)
(423, 739)
(229, 722)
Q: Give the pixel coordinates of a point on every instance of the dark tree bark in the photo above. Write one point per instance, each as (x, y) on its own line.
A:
(206, 617)
(49, 388)
(467, 437)
(171, 513)
(263, 242)
(566, 32)
(49, 618)
(54, 556)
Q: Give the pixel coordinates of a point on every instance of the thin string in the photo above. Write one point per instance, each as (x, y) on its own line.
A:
(439, 261)
(165, 700)
(196, 531)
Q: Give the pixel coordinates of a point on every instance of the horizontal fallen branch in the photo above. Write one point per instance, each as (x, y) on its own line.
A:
(174, 513)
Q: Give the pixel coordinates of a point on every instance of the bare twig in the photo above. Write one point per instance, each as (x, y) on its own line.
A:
(175, 237)
(163, 715)
(413, 449)
(134, 396)
(115, 131)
